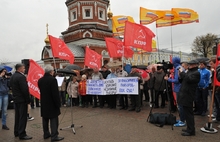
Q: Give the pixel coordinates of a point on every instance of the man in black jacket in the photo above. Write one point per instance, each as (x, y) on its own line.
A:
(21, 99)
(135, 99)
(187, 93)
(50, 103)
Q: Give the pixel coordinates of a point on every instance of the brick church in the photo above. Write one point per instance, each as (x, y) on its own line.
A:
(89, 23)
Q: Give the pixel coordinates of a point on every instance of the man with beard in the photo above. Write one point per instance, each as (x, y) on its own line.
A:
(189, 82)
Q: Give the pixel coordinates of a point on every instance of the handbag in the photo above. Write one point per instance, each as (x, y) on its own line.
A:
(161, 119)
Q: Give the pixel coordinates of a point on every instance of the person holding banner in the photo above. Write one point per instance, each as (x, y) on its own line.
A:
(135, 99)
(123, 99)
(21, 96)
(112, 97)
(96, 75)
(50, 103)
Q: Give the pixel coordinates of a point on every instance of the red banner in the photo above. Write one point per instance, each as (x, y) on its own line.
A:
(138, 36)
(92, 59)
(60, 49)
(35, 72)
(115, 48)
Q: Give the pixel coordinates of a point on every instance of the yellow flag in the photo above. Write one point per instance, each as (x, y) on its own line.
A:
(118, 23)
(187, 15)
(148, 16)
(171, 18)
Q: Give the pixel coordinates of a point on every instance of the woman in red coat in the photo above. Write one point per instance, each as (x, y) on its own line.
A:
(82, 91)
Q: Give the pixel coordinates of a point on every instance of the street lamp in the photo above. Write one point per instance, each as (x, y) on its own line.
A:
(214, 49)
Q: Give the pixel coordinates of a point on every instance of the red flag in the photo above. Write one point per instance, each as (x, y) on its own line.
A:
(128, 52)
(216, 82)
(92, 59)
(138, 36)
(60, 49)
(115, 48)
(143, 73)
(35, 72)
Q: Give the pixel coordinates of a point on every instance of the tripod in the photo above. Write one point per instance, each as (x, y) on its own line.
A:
(168, 97)
(72, 125)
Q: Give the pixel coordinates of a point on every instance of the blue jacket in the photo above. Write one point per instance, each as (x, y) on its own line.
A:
(175, 80)
(204, 78)
(3, 86)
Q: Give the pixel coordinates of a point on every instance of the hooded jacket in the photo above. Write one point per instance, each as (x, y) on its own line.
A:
(175, 80)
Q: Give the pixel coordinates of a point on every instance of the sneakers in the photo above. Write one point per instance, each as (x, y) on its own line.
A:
(30, 118)
(179, 124)
(213, 116)
(214, 120)
(5, 127)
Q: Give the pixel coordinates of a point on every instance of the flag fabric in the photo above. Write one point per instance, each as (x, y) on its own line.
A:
(92, 58)
(170, 18)
(115, 48)
(118, 23)
(60, 49)
(35, 72)
(217, 62)
(148, 16)
(187, 15)
(154, 48)
(138, 36)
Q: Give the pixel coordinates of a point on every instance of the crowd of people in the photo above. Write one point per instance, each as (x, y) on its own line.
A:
(192, 81)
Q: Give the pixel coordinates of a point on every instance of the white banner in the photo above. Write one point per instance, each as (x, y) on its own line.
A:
(122, 85)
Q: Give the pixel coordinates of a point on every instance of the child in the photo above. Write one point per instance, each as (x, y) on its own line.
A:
(82, 91)
(72, 90)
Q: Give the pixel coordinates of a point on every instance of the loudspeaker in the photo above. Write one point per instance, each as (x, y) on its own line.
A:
(26, 64)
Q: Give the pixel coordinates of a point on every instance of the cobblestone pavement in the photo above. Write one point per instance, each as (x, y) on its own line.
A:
(109, 125)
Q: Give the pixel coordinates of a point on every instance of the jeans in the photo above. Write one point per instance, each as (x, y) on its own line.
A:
(3, 107)
(180, 108)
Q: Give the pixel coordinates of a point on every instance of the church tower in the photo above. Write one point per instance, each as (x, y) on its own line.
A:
(88, 25)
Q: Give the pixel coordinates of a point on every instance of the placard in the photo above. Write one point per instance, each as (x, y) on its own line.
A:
(121, 86)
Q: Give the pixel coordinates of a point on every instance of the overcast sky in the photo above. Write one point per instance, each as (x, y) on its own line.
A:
(23, 23)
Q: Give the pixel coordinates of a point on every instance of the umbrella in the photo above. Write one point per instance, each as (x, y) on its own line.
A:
(73, 67)
(66, 71)
(142, 72)
(8, 69)
(144, 67)
(115, 63)
(202, 59)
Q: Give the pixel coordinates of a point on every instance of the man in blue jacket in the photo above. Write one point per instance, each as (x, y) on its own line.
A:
(202, 90)
(177, 85)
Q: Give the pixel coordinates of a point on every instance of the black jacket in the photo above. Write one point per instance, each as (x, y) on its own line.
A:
(49, 94)
(19, 87)
(187, 91)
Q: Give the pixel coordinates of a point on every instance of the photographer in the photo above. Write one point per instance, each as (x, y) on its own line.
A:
(177, 85)
(3, 96)
(187, 93)
(159, 86)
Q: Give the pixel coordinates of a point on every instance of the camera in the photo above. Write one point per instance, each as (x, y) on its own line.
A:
(166, 66)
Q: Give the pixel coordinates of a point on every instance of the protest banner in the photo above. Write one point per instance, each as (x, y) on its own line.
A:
(127, 85)
(122, 86)
(94, 87)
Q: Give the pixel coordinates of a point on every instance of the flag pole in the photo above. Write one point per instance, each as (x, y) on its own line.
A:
(171, 34)
(54, 64)
(158, 50)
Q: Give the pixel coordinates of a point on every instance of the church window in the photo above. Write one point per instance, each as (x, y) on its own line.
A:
(101, 14)
(73, 15)
(87, 12)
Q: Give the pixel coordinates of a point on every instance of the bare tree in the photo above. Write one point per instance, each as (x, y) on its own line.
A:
(3, 61)
(204, 44)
